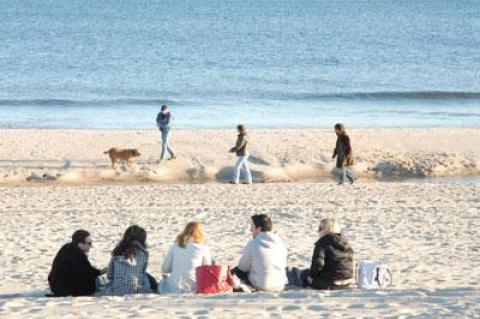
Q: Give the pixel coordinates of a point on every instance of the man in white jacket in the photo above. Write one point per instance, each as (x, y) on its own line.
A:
(264, 260)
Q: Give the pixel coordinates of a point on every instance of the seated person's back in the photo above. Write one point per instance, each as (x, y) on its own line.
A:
(332, 260)
(264, 257)
(71, 273)
(186, 254)
(127, 270)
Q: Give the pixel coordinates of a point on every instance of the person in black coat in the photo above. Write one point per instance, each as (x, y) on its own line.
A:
(72, 274)
(332, 261)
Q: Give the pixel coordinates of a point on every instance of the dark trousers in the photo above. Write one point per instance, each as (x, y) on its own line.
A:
(243, 276)
(153, 282)
(319, 283)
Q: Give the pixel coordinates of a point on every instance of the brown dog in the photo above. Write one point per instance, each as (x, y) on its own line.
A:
(126, 155)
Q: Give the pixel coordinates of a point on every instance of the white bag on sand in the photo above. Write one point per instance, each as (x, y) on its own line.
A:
(371, 274)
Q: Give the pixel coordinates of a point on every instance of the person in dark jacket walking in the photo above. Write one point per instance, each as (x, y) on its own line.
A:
(332, 261)
(163, 124)
(240, 149)
(343, 153)
(72, 274)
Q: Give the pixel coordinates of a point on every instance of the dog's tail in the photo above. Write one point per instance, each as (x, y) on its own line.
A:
(106, 152)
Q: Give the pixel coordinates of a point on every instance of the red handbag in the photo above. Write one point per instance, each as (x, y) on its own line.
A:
(213, 279)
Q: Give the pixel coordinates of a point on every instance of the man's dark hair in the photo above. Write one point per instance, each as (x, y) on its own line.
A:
(241, 127)
(164, 107)
(79, 236)
(340, 127)
(263, 221)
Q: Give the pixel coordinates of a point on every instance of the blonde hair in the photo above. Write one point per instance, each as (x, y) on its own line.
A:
(329, 225)
(192, 233)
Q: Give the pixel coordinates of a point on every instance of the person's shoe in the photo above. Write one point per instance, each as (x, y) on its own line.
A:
(158, 161)
(247, 183)
(233, 182)
(351, 179)
(172, 158)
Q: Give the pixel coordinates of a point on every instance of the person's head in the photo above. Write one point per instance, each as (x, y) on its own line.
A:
(260, 223)
(241, 128)
(133, 237)
(81, 239)
(328, 226)
(191, 234)
(164, 108)
(340, 129)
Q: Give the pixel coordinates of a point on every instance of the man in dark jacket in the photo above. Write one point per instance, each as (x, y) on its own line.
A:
(163, 124)
(240, 149)
(332, 260)
(72, 274)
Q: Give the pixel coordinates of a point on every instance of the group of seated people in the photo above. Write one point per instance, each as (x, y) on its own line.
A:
(262, 266)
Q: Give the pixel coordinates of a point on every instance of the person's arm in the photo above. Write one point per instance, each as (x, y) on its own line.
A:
(207, 256)
(167, 118)
(110, 270)
(83, 268)
(245, 263)
(147, 257)
(159, 120)
(167, 263)
(318, 261)
(348, 149)
(239, 144)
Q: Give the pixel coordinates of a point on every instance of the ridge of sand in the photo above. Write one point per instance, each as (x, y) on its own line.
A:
(277, 155)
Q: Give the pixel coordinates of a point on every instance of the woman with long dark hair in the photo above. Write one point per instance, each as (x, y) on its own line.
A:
(127, 270)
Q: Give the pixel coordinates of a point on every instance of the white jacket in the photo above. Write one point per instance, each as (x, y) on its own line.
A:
(180, 264)
(265, 260)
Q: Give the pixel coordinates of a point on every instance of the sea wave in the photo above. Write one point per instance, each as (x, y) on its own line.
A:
(80, 103)
(387, 95)
(353, 96)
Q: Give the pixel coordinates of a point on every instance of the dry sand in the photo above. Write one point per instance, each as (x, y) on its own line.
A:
(427, 233)
(76, 156)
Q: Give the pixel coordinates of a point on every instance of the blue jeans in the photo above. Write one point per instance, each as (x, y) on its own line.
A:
(347, 174)
(242, 164)
(165, 147)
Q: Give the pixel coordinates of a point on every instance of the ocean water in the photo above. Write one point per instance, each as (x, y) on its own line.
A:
(296, 63)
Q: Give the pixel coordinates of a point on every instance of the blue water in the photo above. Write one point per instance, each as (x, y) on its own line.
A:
(297, 63)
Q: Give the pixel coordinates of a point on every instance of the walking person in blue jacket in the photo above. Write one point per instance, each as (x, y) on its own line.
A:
(163, 123)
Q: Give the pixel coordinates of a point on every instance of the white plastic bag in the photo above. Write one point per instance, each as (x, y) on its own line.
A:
(371, 274)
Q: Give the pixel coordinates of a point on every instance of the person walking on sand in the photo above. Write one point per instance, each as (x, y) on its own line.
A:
(72, 274)
(127, 270)
(163, 123)
(344, 154)
(332, 261)
(241, 163)
(186, 254)
(264, 259)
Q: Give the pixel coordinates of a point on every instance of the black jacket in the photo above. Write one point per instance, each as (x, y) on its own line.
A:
(72, 274)
(332, 259)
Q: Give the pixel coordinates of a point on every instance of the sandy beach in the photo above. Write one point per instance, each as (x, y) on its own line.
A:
(427, 233)
(56, 181)
(277, 155)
